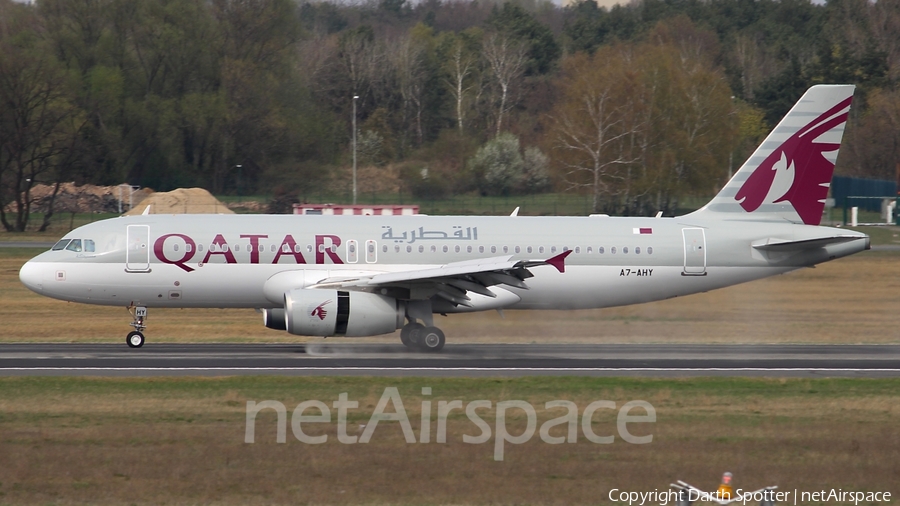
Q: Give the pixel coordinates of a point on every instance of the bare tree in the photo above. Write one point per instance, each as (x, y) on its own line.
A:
(507, 58)
(36, 126)
(597, 123)
(407, 57)
(461, 66)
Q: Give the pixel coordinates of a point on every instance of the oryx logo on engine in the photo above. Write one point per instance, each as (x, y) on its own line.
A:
(319, 311)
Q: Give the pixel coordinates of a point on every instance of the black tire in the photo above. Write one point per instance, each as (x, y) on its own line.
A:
(431, 339)
(134, 339)
(409, 334)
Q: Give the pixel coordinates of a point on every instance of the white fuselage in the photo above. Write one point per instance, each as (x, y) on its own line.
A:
(250, 261)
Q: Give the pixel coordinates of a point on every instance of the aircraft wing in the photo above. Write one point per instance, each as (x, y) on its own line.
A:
(451, 281)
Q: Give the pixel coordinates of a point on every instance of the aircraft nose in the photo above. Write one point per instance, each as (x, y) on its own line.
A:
(31, 276)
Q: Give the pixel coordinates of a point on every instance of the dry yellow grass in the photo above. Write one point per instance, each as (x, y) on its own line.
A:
(852, 300)
(181, 441)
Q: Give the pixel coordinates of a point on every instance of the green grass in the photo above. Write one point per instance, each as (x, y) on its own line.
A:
(23, 388)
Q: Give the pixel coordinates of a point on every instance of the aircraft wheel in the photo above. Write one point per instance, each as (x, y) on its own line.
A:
(135, 339)
(409, 334)
(431, 339)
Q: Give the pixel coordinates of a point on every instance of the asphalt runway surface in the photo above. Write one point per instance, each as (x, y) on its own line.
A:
(363, 359)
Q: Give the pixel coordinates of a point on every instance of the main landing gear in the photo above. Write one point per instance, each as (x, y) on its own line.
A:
(416, 336)
(135, 339)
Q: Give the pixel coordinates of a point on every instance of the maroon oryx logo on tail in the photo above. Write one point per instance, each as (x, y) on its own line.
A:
(320, 311)
(800, 167)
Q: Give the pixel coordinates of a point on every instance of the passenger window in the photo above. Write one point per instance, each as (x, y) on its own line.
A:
(506, 249)
(541, 249)
(552, 249)
(590, 249)
(409, 249)
(421, 249)
(637, 250)
(577, 249)
(493, 249)
(468, 249)
(612, 250)
(625, 250)
(601, 250)
(530, 249)
(433, 248)
(89, 245)
(174, 247)
(272, 248)
(649, 250)
(397, 248)
(188, 248)
(481, 249)
(518, 249)
(75, 246)
(446, 249)
(384, 249)
(61, 245)
(457, 248)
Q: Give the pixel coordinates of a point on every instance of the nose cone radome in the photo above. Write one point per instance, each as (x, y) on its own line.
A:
(31, 275)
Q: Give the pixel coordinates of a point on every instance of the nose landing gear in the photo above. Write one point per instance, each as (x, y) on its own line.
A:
(135, 339)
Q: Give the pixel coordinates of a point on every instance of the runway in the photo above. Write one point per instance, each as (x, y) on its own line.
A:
(358, 359)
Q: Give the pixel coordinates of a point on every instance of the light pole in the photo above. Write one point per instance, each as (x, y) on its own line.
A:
(239, 168)
(354, 148)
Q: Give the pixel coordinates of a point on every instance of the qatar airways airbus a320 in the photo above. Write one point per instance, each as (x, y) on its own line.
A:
(370, 275)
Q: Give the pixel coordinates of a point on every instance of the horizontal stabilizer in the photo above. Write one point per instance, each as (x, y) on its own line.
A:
(782, 245)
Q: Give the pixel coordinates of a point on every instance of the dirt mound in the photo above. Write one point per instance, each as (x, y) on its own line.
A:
(182, 201)
(87, 198)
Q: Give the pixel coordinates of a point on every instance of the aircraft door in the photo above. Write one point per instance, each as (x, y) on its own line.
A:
(371, 251)
(694, 252)
(137, 256)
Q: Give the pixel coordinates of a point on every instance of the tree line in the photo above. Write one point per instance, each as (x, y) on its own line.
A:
(638, 105)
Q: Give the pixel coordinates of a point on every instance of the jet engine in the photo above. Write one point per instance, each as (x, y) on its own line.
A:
(274, 319)
(317, 312)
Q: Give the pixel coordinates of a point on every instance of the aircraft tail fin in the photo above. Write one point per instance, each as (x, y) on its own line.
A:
(788, 176)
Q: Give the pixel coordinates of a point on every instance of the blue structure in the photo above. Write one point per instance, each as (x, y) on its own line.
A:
(844, 187)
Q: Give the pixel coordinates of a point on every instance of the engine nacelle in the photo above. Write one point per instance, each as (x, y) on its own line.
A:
(315, 312)
(274, 319)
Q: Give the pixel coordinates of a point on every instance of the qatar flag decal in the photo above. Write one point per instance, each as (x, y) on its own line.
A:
(643, 231)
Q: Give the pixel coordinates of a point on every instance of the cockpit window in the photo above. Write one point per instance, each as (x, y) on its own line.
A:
(75, 245)
(61, 245)
(89, 245)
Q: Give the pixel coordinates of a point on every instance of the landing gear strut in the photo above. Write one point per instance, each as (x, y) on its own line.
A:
(416, 336)
(135, 339)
